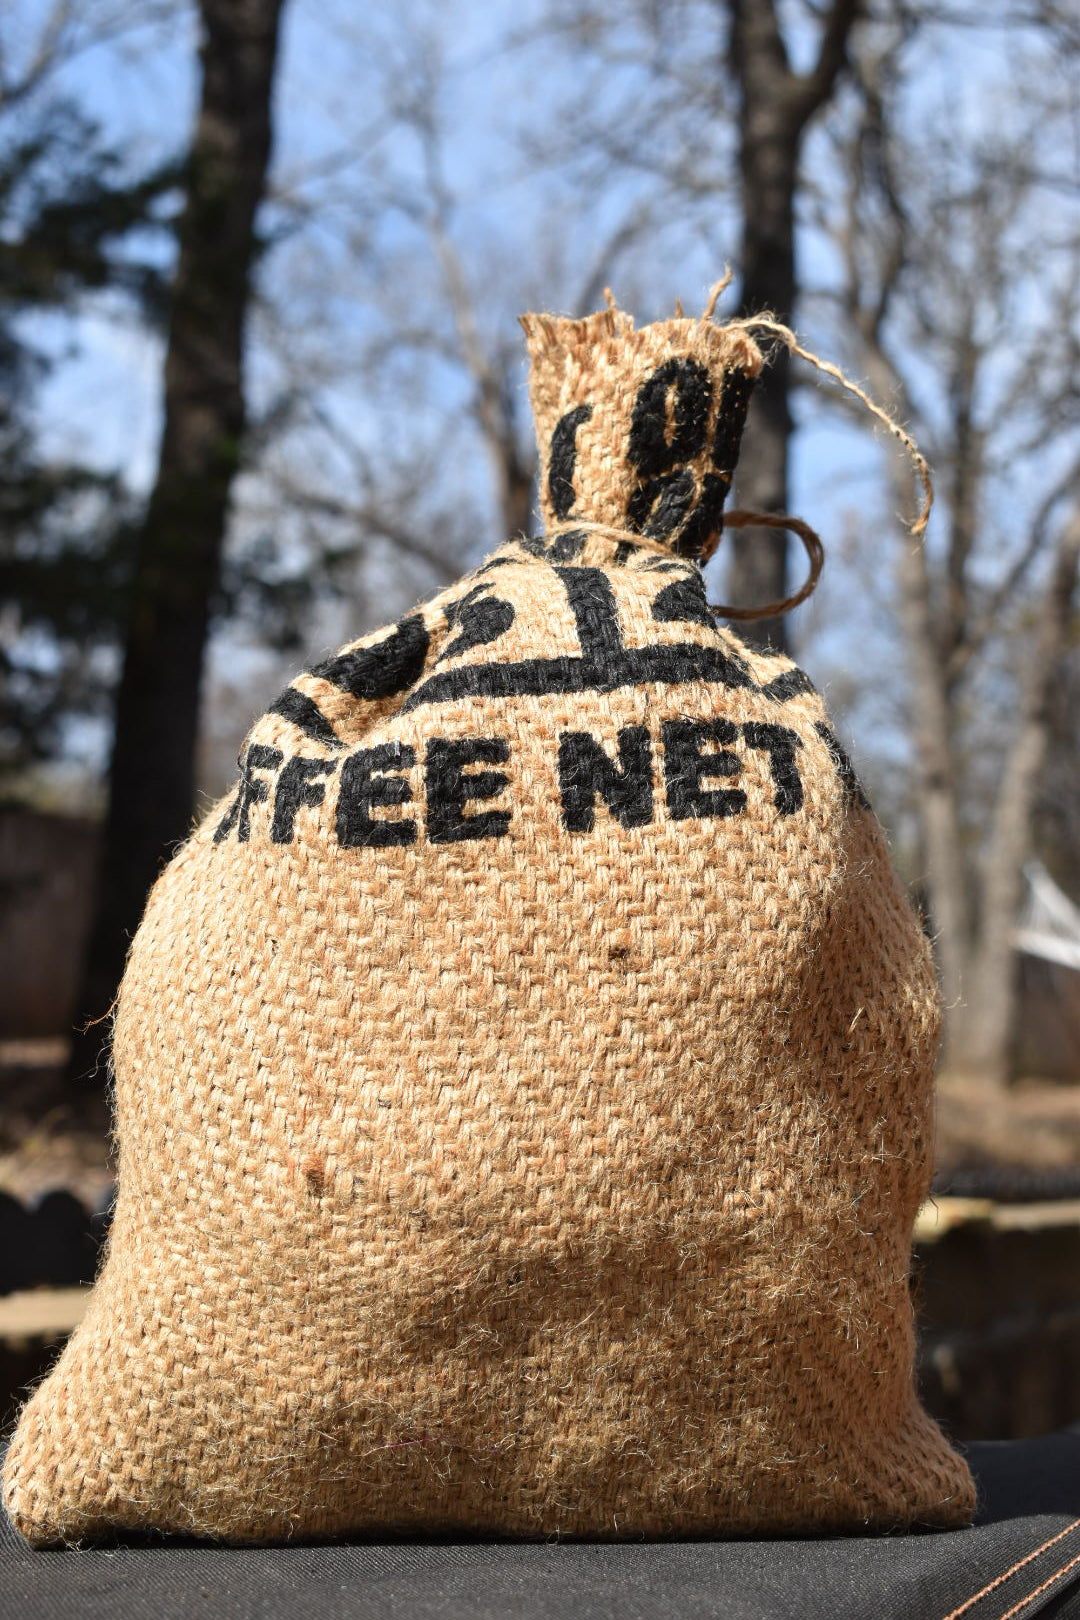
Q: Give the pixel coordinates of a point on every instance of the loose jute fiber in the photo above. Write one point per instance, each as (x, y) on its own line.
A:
(523, 1080)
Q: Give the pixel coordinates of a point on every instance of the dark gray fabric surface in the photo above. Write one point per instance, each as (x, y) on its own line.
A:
(1029, 1490)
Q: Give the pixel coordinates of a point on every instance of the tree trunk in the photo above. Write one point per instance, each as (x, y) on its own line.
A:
(932, 706)
(774, 109)
(518, 494)
(151, 777)
(984, 1037)
(768, 169)
(938, 809)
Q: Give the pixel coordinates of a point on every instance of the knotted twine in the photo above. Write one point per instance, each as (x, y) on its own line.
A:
(742, 519)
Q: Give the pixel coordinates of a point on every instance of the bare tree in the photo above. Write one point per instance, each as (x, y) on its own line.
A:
(935, 247)
(435, 352)
(775, 107)
(720, 131)
(62, 30)
(983, 1040)
(151, 780)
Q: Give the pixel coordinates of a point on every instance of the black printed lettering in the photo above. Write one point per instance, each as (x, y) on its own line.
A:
(781, 744)
(538, 677)
(563, 457)
(383, 670)
(491, 564)
(254, 789)
(370, 778)
(565, 546)
(683, 602)
(792, 683)
(706, 518)
(660, 505)
(618, 773)
(228, 820)
(666, 433)
(730, 420)
(449, 789)
(651, 449)
(854, 792)
(586, 771)
(479, 619)
(305, 713)
(686, 767)
(592, 601)
(298, 785)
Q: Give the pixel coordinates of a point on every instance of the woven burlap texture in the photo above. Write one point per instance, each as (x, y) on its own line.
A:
(523, 1105)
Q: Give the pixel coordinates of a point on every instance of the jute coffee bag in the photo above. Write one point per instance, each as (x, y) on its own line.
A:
(523, 1080)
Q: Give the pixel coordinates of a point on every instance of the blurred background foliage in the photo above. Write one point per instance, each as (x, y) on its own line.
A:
(261, 387)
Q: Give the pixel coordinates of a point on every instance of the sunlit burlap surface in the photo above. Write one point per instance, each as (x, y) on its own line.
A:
(523, 1101)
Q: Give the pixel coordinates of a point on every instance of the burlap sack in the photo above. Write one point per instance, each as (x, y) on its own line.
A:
(523, 1081)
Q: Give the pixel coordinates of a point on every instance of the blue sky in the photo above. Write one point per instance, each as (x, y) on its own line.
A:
(525, 231)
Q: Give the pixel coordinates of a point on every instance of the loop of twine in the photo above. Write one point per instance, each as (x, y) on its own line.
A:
(738, 519)
(743, 519)
(815, 551)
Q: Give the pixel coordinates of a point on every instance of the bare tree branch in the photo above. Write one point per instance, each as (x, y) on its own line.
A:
(809, 92)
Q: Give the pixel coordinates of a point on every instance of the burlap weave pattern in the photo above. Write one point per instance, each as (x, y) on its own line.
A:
(523, 1101)
(639, 428)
